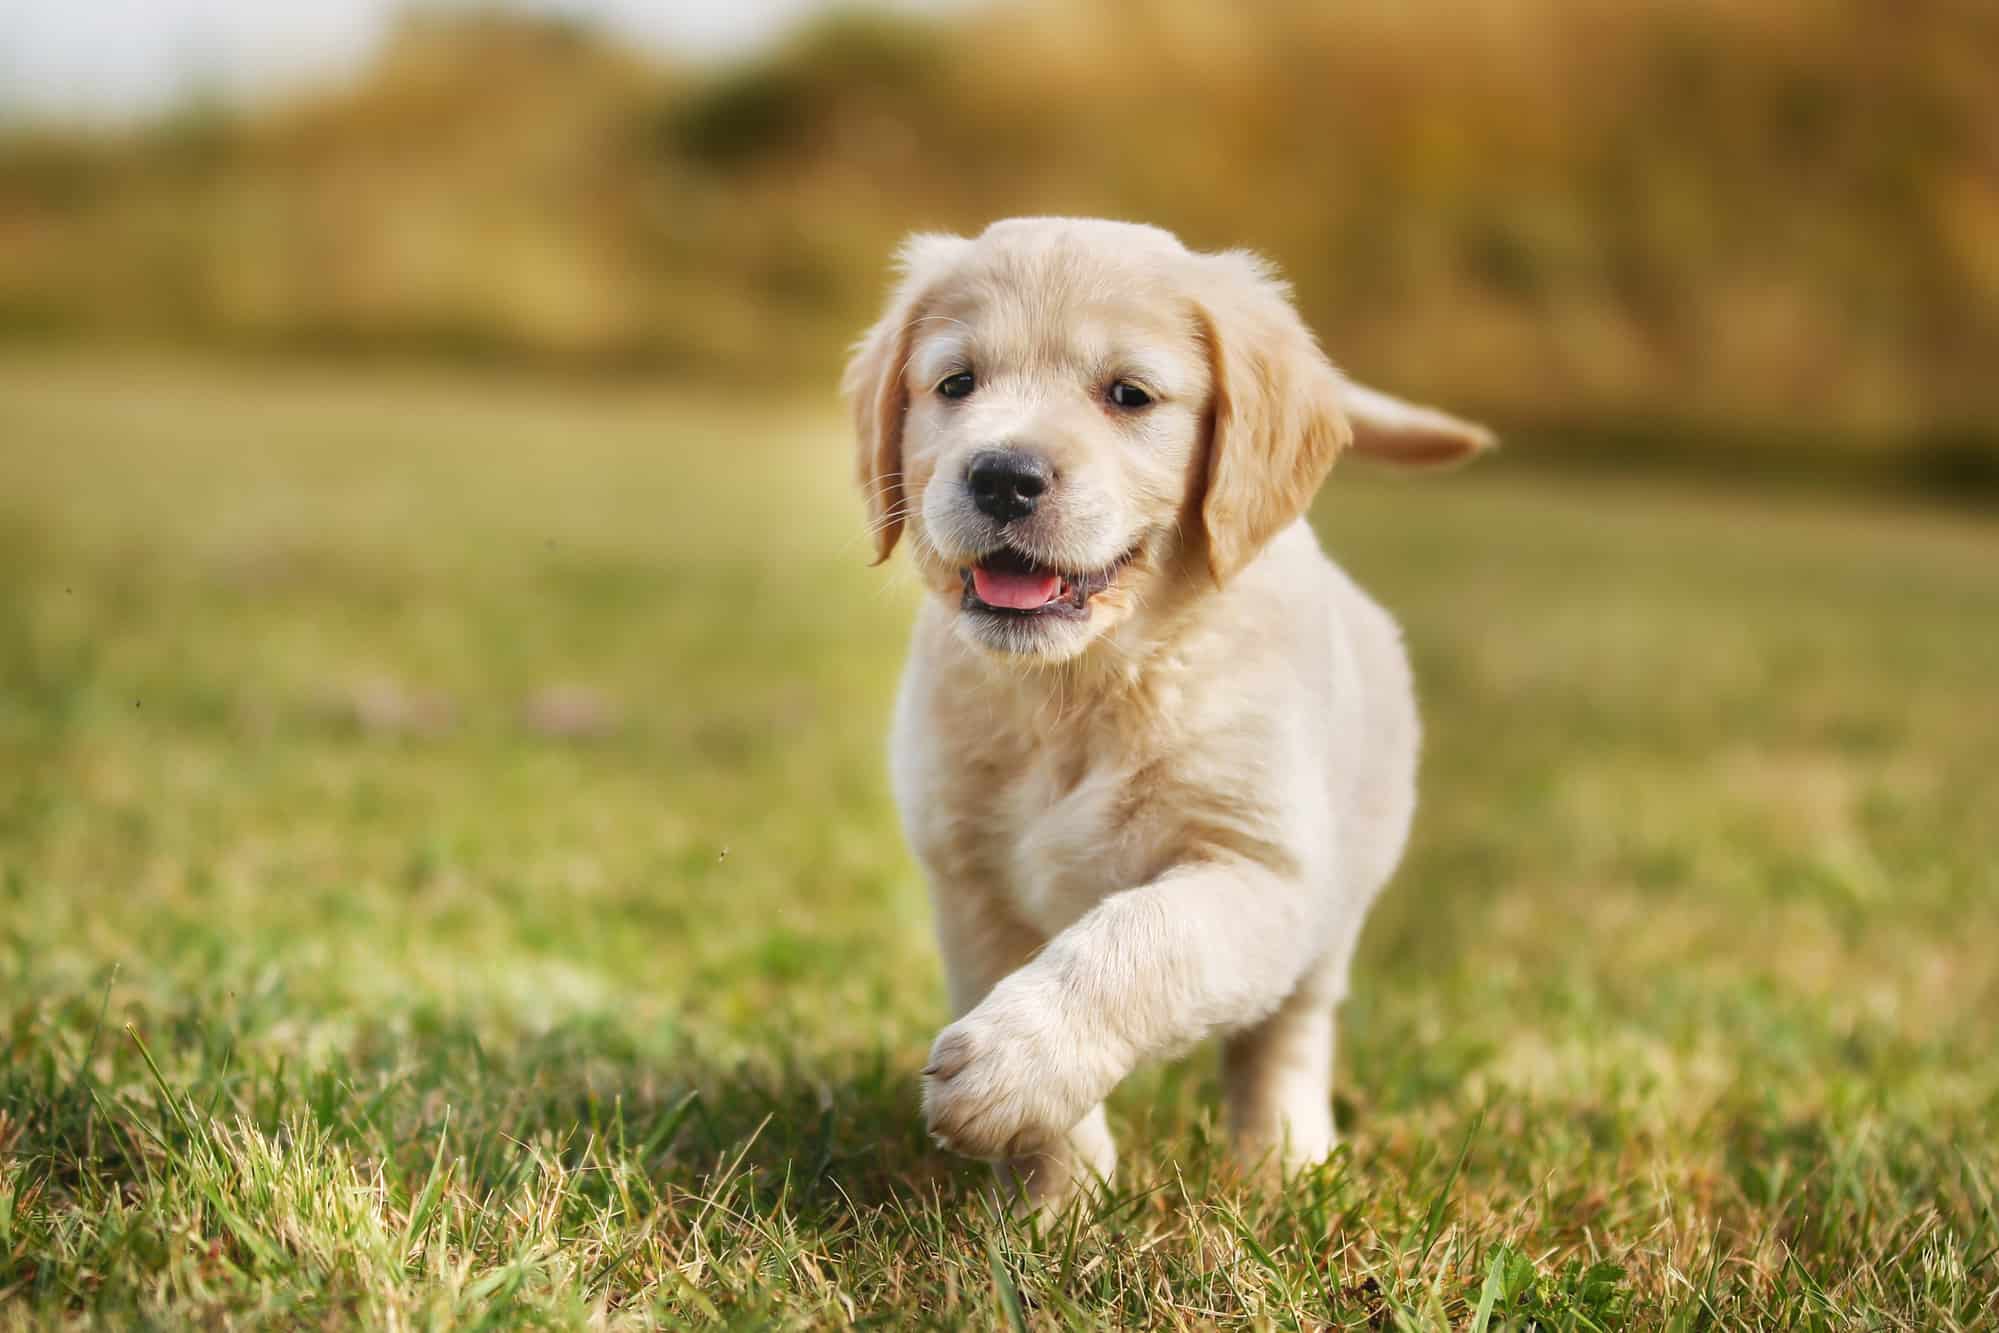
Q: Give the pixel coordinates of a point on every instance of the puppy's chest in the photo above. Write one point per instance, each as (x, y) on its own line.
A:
(1072, 829)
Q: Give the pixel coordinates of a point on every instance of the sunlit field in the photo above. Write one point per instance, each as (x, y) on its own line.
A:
(447, 877)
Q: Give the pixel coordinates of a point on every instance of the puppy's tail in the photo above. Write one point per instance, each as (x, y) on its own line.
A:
(1408, 434)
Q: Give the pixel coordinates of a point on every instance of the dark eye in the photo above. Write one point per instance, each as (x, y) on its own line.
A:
(956, 386)
(1126, 394)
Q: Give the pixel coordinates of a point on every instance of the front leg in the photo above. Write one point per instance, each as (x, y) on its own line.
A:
(983, 941)
(1211, 946)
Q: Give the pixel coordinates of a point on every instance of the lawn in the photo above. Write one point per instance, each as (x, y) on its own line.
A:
(447, 878)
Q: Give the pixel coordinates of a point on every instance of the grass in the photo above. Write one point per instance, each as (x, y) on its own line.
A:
(446, 879)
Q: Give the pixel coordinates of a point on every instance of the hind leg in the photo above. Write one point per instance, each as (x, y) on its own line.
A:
(1278, 1077)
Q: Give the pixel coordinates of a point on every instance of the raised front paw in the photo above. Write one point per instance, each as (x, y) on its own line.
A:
(1014, 1074)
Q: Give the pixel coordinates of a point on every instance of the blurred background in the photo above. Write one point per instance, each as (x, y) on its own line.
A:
(1749, 234)
(442, 690)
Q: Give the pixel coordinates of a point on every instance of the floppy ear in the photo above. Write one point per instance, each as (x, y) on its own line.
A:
(876, 386)
(1277, 421)
(1409, 435)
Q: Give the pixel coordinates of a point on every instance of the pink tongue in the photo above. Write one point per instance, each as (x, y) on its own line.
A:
(1016, 592)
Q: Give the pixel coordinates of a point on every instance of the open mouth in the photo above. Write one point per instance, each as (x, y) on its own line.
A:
(1008, 583)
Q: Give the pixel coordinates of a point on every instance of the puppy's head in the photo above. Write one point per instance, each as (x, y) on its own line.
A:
(1080, 423)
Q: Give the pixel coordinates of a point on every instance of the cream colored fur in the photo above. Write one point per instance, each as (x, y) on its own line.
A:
(1165, 821)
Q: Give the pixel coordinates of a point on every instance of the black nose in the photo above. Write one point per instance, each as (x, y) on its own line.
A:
(1006, 483)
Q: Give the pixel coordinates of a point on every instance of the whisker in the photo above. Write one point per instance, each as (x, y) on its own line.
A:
(888, 520)
(941, 319)
(876, 486)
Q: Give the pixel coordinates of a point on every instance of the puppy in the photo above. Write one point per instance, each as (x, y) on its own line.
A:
(1155, 752)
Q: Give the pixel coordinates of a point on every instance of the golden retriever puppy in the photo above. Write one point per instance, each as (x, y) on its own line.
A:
(1155, 752)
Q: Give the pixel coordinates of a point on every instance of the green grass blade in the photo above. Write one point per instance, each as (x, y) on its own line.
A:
(1004, 1289)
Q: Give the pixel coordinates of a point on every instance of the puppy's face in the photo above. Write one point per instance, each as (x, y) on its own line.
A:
(1066, 416)
(1056, 389)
